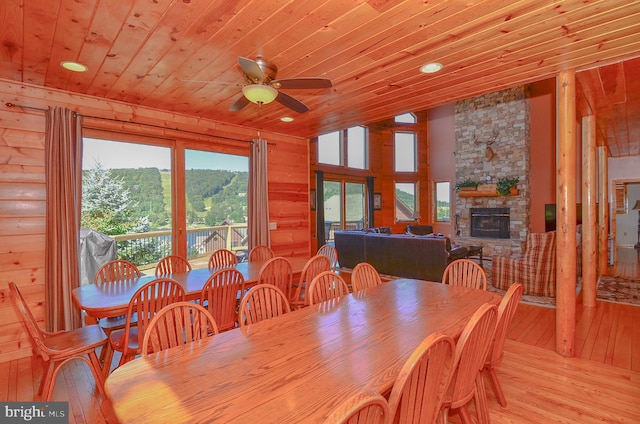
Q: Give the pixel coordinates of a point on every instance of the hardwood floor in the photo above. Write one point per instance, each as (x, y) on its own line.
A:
(601, 384)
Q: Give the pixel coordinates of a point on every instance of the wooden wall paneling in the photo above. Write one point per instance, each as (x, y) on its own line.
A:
(22, 223)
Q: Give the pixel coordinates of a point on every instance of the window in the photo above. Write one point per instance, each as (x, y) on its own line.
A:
(216, 199)
(348, 147)
(127, 194)
(126, 190)
(357, 148)
(405, 152)
(442, 200)
(344, 206)
(330, 148)
(406, 202)
(406, 118)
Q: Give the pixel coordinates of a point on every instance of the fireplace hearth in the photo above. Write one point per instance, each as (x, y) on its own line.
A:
(490, 223)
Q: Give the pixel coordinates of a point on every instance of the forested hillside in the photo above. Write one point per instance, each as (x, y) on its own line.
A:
(213, 196)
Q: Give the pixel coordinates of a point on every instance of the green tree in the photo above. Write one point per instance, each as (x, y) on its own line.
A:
(106, 206)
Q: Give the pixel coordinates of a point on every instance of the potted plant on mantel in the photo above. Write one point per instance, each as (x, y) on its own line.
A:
(507, 186)
(467, 185)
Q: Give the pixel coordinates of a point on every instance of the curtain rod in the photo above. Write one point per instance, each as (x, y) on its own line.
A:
(9, 104)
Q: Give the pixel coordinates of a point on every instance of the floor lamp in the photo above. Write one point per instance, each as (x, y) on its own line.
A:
(636, 207)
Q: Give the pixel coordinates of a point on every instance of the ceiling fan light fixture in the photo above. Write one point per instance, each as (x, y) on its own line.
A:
(259, 93)
(431, 68)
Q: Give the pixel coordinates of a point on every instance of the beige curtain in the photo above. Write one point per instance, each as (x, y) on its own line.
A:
(258, 195)
(63, 168)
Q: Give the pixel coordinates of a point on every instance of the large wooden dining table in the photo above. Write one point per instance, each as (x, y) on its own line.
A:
(295, 368)
(110, 301)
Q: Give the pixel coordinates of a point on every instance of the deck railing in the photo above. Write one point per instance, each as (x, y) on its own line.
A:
(148, 248)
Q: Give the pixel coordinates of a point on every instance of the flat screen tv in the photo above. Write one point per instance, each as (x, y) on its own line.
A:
(550, 216)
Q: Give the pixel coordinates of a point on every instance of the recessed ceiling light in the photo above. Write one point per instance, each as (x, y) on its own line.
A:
(431, 68)
(74, 66)
(286, 119)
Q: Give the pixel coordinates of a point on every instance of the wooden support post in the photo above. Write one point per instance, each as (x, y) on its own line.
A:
(603, 210)
(589, 224)
(566, 213)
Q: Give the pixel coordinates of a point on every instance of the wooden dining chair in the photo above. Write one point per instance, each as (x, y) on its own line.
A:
(417, 394)
(363, 276)
(222, 258)
(263, 301)
(59, 348)
(177, 324)
(260, 253)
(506, 312)
(220, 295)
(326, 286)
(312, 267)
(144, 305)
(115, 277)
(469, 359)
(331, 253)
(277, 271)
(465, 273)
(170, 264)
(367, 407)
(116, 271)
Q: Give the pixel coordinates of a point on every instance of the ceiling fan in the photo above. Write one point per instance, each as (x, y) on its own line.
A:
(263, 88)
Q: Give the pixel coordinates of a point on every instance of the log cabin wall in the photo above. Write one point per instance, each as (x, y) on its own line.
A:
(22, 185)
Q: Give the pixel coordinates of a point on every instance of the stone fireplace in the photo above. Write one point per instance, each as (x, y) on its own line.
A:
(492, 141)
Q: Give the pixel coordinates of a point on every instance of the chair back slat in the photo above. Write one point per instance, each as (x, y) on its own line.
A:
(326, 286)
(260, 253)
(420, 387)
(506, 312)
(146, 302)
(116, 271)
(331, 253)
(263, 301)
(278, 272)
(465, 273)
(368, 407)
(312, 267)
(220, 296)
(222, 258)
(172, 264)
(178, 324)
(364, 275)
(471, 352)
(35, 333)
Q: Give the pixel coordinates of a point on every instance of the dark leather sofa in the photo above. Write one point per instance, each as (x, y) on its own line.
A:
(421, 257)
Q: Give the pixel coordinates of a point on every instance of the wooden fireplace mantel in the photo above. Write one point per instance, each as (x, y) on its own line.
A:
(473, 193)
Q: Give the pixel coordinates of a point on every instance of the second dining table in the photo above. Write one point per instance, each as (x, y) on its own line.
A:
(100, 302)
(297, 367)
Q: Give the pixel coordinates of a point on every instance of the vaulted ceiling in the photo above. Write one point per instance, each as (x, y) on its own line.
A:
(153, 52)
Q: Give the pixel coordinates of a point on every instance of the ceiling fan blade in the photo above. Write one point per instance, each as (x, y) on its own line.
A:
(237, 84)
(291, 102)
(251, 69)
(239, 104)
(310, 82)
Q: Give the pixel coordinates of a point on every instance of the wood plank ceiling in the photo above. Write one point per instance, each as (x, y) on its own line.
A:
(144, 52)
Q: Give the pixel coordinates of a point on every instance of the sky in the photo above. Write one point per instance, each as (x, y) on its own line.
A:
(116, 154)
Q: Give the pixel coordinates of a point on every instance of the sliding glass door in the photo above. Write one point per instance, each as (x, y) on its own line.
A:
(344, 206)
